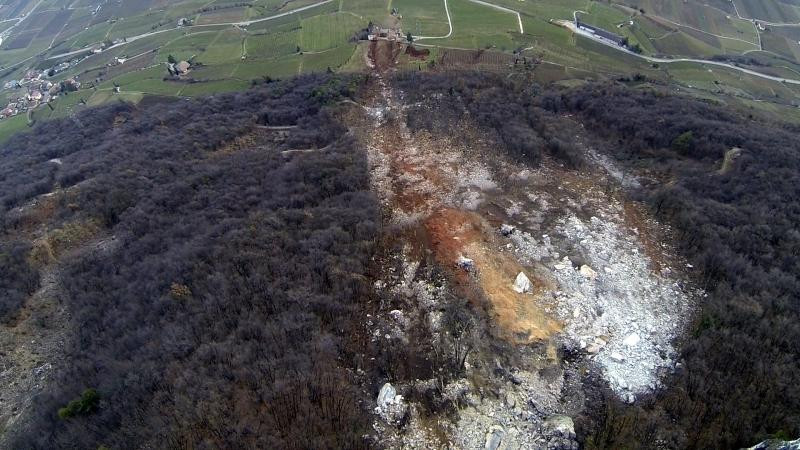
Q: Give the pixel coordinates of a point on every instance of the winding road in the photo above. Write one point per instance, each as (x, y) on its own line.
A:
(449, 23)
(479, 2)
(235, 24)
(586, 34)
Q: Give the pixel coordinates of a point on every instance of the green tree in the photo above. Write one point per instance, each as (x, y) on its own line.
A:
(171, 59)
(684, 142)
(87, 403)
(409, 37)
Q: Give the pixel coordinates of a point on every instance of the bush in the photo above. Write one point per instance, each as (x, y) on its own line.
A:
(84, 405)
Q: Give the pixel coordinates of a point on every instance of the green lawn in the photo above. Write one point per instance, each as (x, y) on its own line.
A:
(272, 45)
(422, 17)
(12, 125)
(276, 68)
(330, 30)
(333, 59)
(769, 10)
(478, 26)
(368, 10)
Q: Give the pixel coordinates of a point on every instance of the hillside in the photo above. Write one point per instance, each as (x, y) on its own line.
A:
(402, 259)
(206, 265)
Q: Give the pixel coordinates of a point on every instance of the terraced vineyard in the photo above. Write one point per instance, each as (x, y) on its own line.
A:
(231, 44)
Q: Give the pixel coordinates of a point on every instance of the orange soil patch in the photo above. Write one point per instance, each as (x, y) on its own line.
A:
(457, 233)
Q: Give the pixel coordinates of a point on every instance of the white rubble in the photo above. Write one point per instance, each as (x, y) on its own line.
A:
(506, 229)
(631, 340)
(465, 263)
(588, 272)
(561, 424)
(390, 407)
(522, 284)
(624, 316)
(638, 312)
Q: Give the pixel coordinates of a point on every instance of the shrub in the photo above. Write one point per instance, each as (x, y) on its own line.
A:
(84, 405)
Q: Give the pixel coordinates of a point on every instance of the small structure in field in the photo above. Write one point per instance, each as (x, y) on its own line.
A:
(622, 41)
(179, 68)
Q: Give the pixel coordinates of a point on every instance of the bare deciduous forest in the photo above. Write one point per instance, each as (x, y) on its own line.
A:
(213, 311)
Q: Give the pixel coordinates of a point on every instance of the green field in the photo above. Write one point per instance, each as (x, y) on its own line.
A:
(769, 10)
(422, 17)
(478, 26)
(228, 57)
(328, 31)
(12, 125)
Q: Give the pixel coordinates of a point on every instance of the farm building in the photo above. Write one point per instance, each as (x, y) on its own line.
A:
(617, 39)
(380, 33)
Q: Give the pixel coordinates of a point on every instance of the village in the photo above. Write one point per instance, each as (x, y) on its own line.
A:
(34, 90)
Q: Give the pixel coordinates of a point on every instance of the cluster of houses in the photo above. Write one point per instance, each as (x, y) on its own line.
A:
(34, 90)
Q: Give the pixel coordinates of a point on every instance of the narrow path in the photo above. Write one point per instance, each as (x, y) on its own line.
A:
(449, 23)
(677, 24)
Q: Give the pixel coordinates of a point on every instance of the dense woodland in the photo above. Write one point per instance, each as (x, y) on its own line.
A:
(214, 307)
(739, 227)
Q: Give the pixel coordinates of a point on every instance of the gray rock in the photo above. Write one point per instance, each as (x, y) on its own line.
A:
(560, 425)
(494, 437)
(775, 444)
(386, 395)
(506, 230)
(465, 263)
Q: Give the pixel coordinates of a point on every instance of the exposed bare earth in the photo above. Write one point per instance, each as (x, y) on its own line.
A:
(604, 283)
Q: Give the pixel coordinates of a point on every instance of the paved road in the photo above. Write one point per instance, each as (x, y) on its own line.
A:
(591, 36)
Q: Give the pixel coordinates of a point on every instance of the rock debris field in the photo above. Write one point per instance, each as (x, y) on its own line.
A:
(614, 308)
(565, 263)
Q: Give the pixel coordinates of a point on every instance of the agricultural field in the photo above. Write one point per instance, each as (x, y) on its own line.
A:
(377, 11)
(778, 11)
(134, 40)
(422, 17)
(785, 41)
(481, 27)
(328, 31)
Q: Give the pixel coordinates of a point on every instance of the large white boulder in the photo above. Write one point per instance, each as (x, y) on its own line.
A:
(386, 395)
(522, 284)
(631, 340)
(588, 272)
